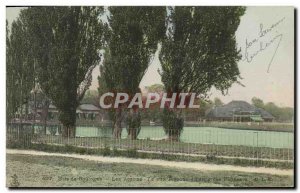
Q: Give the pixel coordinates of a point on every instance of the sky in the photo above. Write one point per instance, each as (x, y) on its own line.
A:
(266, 39)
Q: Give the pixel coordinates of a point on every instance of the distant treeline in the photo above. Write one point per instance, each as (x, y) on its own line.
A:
(281, 114)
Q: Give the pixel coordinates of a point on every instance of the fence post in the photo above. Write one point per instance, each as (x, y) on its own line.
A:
(257, 153)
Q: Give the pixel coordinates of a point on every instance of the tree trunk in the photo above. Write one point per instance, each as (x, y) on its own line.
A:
(134, 124)
(68, 120)
(68, 131)
(45, 115)
(118, 124)
(26, 111)
(173, 124)
(174, 137)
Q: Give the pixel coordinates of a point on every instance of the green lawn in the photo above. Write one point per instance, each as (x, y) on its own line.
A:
(41, 171)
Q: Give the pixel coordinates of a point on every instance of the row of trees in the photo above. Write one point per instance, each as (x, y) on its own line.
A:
(281, 114)
(57, 48)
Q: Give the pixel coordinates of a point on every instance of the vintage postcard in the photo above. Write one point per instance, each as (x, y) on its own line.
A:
(150, 96)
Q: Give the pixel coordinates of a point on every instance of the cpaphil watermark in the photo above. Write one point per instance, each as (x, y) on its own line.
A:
(111, 100)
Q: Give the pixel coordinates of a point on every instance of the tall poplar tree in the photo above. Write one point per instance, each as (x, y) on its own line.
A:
(132, 37)
(19, 68)
(198, 52)
(66, 43)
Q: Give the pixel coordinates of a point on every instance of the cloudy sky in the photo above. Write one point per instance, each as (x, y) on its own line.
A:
(267, 73)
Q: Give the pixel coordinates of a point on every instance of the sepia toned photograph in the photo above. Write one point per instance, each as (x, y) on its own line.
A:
(150, 97)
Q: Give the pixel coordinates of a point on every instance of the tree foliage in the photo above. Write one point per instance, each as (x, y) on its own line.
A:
(257, 102)
(91, 97)
(20, 75)
(66, 42)
(281, 114)
(199, 50)
(155, 88)
(218, 102)
(132, 36)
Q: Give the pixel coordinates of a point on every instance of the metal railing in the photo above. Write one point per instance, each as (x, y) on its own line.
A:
(193, 141)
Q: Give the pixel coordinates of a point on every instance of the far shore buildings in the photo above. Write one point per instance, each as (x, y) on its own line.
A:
(239, 111)
(83, 112)
(235, 111)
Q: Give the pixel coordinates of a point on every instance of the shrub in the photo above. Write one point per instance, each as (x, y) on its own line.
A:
(115, 152)
(131, 153)
(237, 161)
(69, 148)
(106, 151)
(81, 150)
(210, 157)
(135, 154)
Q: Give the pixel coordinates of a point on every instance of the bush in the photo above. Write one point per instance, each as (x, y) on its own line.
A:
(115, 152)
(69, 148)
(210, 157)
(81, 150)
(131, 153)
(23, 141)
(106, 151)
(237, 161)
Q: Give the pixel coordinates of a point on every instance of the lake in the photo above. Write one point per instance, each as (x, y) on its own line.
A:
(206, 135)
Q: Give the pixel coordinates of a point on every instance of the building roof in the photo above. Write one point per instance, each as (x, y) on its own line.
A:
(51, 106)
(88, 107)
(227, 111)
(80, 109)
(265, 114)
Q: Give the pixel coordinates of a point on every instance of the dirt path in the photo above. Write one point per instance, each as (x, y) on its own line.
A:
(182, 165)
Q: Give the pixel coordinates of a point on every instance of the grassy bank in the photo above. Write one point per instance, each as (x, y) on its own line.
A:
(45, 171)
(133, 153)
(166, 146)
